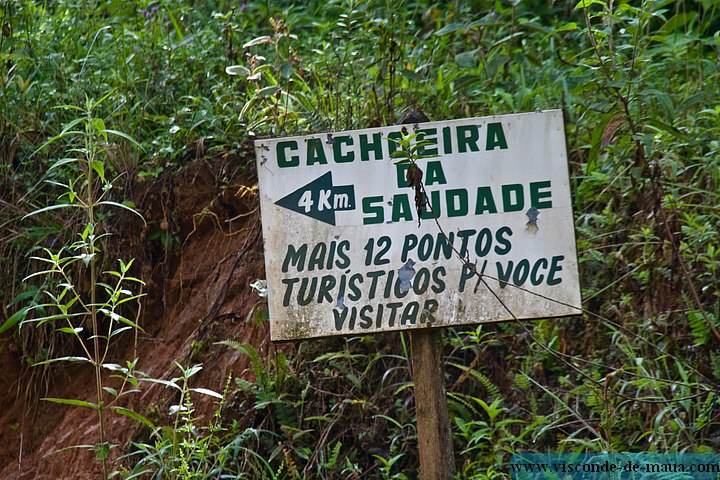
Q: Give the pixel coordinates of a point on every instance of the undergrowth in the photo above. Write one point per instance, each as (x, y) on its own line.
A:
(638, 85)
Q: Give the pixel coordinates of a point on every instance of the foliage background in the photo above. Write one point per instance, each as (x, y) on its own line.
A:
(194, 80)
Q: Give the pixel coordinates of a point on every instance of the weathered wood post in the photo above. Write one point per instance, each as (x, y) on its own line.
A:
(437, 461)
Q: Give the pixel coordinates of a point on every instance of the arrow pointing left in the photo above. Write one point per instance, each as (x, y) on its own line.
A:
(320, 199)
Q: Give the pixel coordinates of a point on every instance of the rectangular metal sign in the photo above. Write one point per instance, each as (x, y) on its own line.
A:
(346, 253)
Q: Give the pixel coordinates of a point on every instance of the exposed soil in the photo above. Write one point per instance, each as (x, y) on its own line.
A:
(197, 294)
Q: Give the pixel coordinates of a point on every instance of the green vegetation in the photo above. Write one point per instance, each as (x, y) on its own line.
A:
(157, 84)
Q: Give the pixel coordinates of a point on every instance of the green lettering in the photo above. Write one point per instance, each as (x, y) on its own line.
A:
(355, 292)
(280, 152)
(288, 291)
(401, 208)
(508, 204)
(409, 314)
(434, 210)
(483, 243)
(465, 274)
(393, 307)
(375, 278)
(495, 137)
(504, 275)
(555, 267)
(295, 257)
(447, 140)
(410, 242)
(371, 207)
(503, 244)
(435, 174)
(428, 134)
(421, 282)
(340, 316)
(306, 294)
(438, 279)
(457, 202)
(485, 201)
(338, 153)
(375, 147)
(464, 236)
(425, 246)
(316, 152)
(389, 283)
(379, 317)
(522, 269)
(444, 245)
(468, 136)
(429, 307)
(535, 277)
(317, 257)
(537, 195)
(366, 320)
(401, 169)
(327, 283)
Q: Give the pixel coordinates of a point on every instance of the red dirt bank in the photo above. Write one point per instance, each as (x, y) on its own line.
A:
(197, 293)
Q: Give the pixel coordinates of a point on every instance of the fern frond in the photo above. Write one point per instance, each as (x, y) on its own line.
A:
(483, 380)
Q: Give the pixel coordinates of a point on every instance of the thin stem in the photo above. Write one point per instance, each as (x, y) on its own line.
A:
(613, 91)
(90, 158)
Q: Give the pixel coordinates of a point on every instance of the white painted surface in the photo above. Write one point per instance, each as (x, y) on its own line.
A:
(347, 287)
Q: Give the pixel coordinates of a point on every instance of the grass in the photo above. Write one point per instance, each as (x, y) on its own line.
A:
(638, 85)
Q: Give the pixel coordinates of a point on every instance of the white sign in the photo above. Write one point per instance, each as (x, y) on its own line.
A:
(345, 252)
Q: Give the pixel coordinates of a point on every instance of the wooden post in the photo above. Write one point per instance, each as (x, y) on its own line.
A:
(437, 461)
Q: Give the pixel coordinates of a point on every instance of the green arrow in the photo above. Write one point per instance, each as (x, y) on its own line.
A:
(320, 199)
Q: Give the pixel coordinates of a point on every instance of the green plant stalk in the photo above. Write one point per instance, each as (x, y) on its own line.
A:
(175, 440)
(90, 155)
